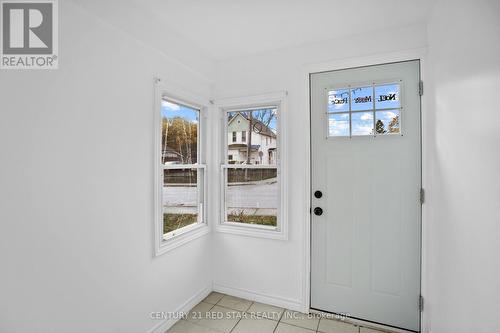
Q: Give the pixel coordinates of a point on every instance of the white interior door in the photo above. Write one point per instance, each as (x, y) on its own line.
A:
(366, 162)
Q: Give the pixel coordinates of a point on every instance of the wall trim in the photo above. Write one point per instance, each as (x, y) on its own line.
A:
(375, 59)
(282, 302)
(165, 324)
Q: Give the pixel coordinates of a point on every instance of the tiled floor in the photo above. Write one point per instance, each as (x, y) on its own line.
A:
(219, 313)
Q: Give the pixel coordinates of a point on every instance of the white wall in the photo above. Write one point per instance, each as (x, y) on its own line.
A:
(76, 188)
(255, 267)
(463, 164)
(76, 176)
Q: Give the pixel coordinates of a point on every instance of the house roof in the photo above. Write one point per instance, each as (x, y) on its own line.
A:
(258, 126)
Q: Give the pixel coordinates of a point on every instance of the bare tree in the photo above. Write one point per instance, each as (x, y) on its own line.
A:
(165, 124)
(249, 142)
(394, 125)
(187, 135)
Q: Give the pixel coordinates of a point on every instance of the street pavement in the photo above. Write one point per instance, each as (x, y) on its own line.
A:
(258, 199)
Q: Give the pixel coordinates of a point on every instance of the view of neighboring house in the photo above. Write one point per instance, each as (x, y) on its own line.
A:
(262, 141)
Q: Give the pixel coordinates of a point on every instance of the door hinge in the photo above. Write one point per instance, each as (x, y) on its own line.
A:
(422, 196)
(421, 303)
(421, 87)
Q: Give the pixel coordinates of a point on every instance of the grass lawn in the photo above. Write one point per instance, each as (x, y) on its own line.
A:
(253, 219)
(175, 221)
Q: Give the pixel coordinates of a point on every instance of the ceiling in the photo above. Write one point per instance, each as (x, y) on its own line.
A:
(222, 29)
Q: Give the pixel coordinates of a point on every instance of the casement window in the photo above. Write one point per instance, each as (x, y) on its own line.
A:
(181, 186)
(252, 198)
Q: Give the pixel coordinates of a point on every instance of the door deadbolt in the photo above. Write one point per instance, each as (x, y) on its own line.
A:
(318, 194)
(318, 211)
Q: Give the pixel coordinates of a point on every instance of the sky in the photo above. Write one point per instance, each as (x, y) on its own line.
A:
(171, 110)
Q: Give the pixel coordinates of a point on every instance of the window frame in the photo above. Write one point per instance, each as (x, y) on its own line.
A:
(166, 242)
(273, 100)
(373, 109)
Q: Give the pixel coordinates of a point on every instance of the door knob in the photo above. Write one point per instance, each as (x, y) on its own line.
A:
(318, 211)
(318, 194)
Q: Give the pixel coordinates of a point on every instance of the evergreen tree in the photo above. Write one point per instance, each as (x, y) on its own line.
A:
(379, 127)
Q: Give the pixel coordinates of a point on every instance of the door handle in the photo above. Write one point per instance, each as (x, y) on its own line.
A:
(318, 211)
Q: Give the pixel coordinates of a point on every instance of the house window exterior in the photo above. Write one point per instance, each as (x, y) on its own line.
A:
(234, 136)
(243, 136)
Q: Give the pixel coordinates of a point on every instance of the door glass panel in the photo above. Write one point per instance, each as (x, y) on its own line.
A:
(387, 122)
(381, 101)
(362, 123)
(338, 100)
(179, 133)
(362, 98)
(338, 124)
(387, 96)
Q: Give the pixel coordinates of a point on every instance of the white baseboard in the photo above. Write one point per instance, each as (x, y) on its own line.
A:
(292, 304)
(166, 323)
(281, 302)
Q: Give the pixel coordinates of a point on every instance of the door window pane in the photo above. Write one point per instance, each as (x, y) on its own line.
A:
(338, 100)
(252, 196)
(338, 124)
(362, 98)
(362, 123)
(179, 133)
(387, 96)
(387, 122)
(380, 101)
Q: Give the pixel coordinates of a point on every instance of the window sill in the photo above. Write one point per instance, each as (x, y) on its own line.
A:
(173, 242)
(252, 231)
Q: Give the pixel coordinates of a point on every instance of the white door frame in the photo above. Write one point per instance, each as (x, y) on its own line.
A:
(378, 59)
